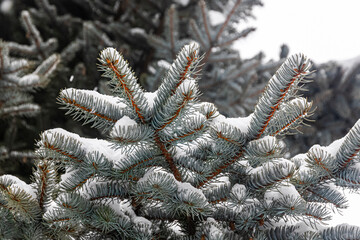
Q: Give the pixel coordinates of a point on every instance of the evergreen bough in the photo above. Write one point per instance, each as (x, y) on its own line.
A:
(23, 69)
(174, 168)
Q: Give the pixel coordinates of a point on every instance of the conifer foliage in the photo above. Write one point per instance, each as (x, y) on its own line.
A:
(149, 34)
(23, 69)
(240, 79)
(174, 168)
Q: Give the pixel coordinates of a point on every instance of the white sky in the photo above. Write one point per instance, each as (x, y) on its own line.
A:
(321, 29)
(351, 215)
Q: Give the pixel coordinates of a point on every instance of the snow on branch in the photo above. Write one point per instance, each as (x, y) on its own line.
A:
(127, 131)
(19, 197)
(92, 107)
(266, 176)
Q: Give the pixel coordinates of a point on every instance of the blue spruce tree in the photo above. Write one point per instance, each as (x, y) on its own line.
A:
(173, 167)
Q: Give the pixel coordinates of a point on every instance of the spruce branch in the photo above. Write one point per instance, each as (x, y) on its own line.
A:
(220, 168)
(235, 37)
(341, 231)
(45, 179)
(227, 20)
(131, 134)
(92, 107)
(321, 161)
(317, 212)
(122, 77)
(270, 174)
(205, 21)
(292, 115)
(38, 47)
(327, 195)
(283, 232)
(350, 177)
(281, 87)
(182, 68)
(350, 147)
(196, 30)
(18, 197)
(61, 146)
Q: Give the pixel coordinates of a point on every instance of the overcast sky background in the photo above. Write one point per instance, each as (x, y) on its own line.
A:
(321, 29)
